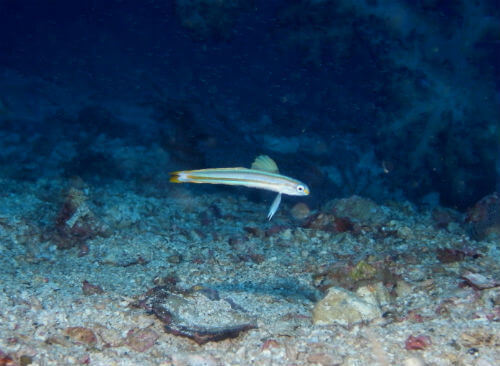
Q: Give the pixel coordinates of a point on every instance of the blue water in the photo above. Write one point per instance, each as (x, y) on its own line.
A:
(388, 100)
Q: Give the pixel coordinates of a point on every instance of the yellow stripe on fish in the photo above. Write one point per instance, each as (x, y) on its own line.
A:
(263, 175)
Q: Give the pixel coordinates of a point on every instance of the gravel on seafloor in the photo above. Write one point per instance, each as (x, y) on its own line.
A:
(111, 275)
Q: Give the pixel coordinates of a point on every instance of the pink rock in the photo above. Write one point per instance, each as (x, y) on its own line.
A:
(141, 340)
(417, 343)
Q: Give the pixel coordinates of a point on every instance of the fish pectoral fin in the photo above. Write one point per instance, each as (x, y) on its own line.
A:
(274, 207)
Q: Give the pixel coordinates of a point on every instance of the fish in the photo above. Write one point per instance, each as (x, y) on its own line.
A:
(263, 174)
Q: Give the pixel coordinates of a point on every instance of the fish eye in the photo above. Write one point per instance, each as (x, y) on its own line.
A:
(300, 188)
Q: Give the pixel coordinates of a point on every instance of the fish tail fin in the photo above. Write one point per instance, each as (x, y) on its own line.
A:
(178, 177)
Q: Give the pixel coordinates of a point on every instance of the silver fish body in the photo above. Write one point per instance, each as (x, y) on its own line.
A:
(265, 177)
(251, 178)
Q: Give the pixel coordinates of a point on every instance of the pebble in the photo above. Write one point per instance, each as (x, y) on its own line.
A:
(141, 340)
(81, 335)
(300, 211)
(414, 361)
(403, 288)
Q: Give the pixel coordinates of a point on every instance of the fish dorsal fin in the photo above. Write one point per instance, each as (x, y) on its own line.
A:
(265, 163)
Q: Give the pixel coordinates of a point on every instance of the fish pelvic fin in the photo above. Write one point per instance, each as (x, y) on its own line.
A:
(274, 207)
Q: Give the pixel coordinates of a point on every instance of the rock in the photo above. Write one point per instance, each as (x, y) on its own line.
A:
(75, 222)
(345, 308)
(414, 361)
(174, 259)
(25, 360)
(491, 296)
(6, 360)
(480, 337)
(484, 362)
(375, 294)
(199, 314)
(483, 220)
(403, 288)
(194, 360)
(358, 209)
(480, 281)
(141, 340)
(81, 335)
(420, 342)
(329, 222)
(362, 271)
(323, 359)
(90, 289)
(300, 211)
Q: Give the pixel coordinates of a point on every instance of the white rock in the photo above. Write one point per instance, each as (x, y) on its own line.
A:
(376, 294)
(414, 361)
(345, 308)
